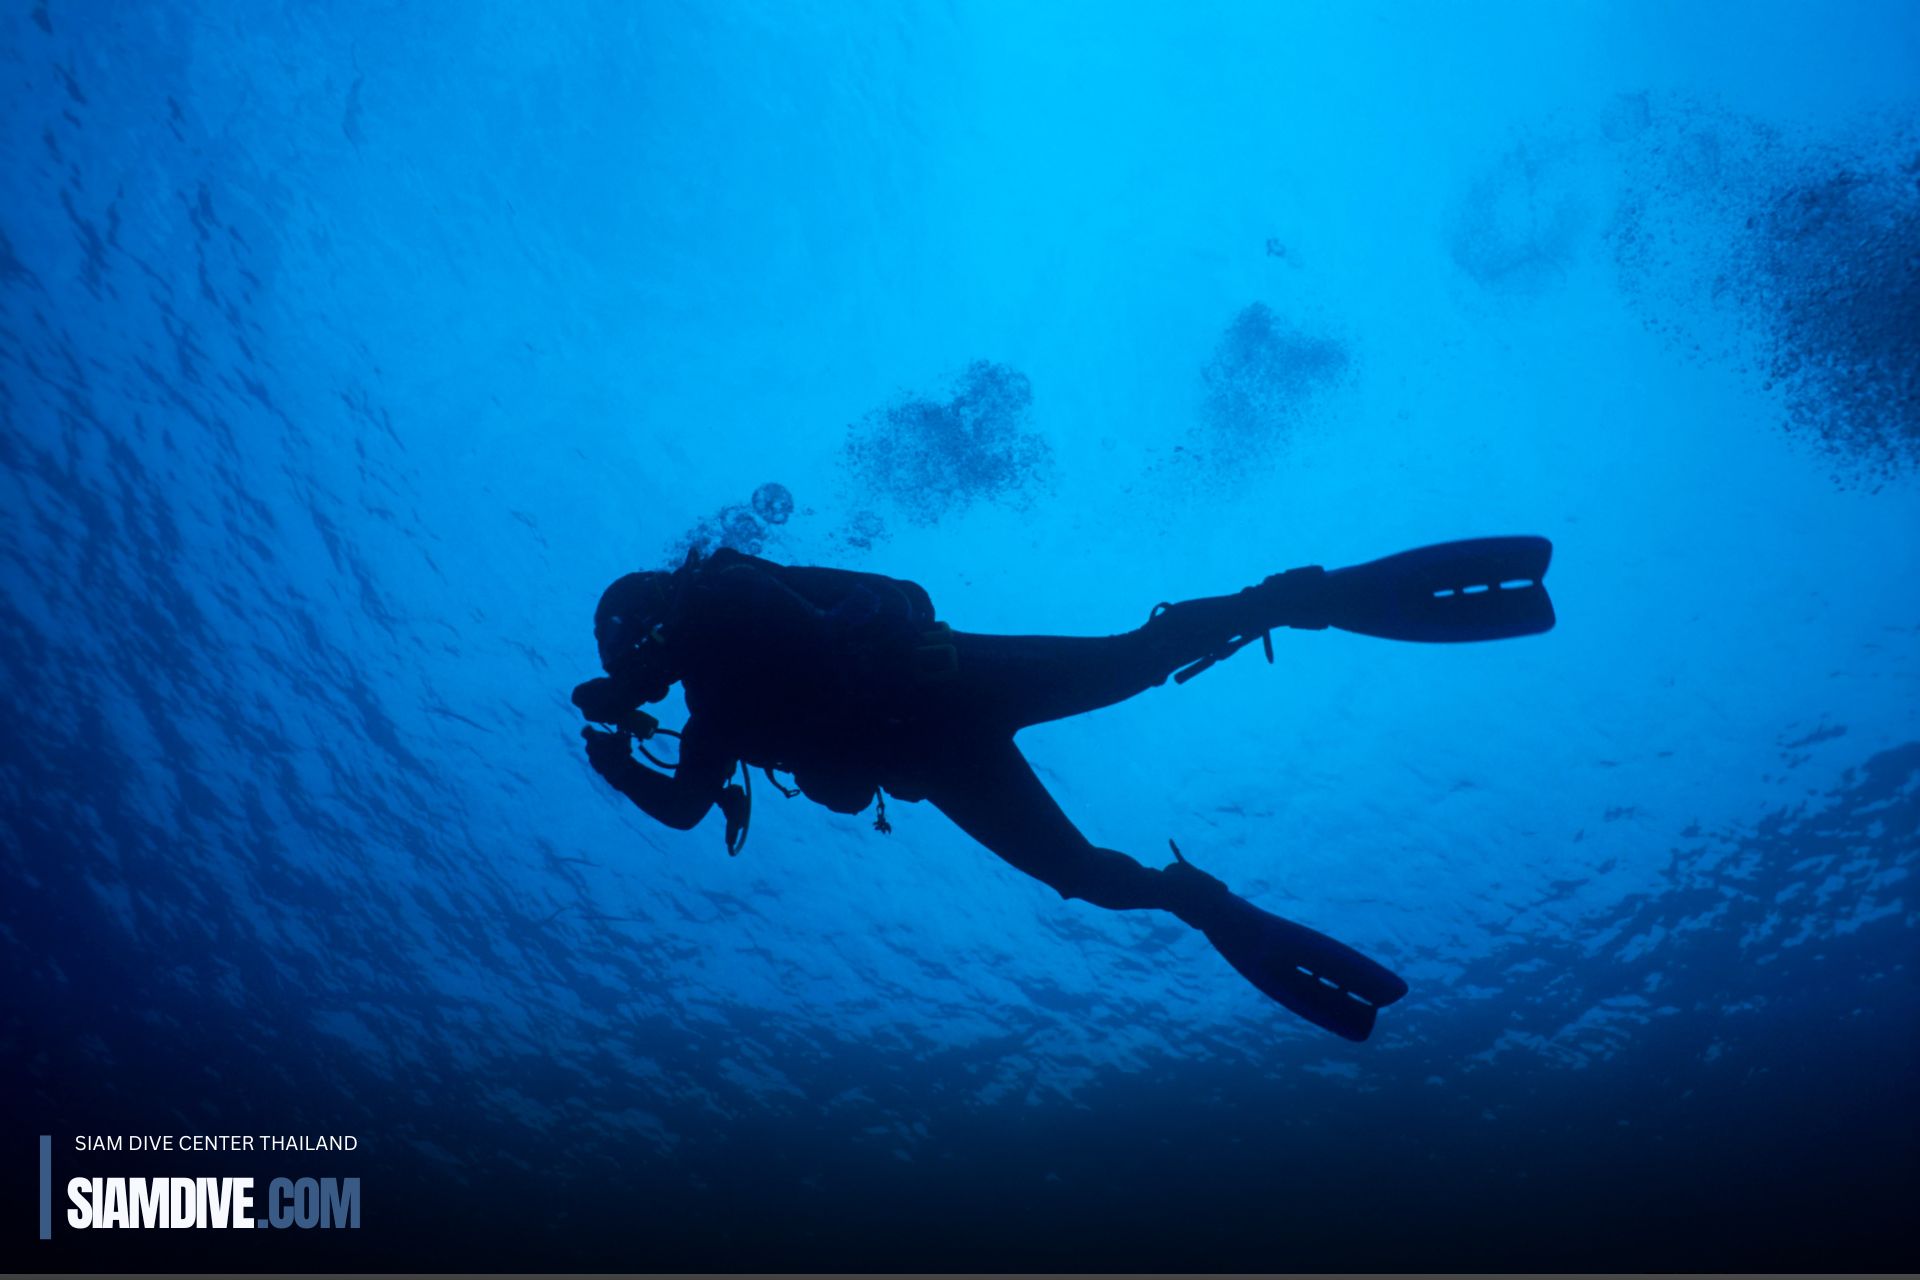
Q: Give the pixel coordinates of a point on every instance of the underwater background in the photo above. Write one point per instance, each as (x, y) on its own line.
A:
(347, 351)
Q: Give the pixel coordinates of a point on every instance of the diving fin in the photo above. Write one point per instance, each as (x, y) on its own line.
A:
(1475, 589)
(1326, 982)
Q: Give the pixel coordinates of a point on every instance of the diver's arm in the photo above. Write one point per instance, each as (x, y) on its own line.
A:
(678, 800)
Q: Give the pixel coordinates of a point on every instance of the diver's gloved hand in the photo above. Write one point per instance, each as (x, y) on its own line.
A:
(608, 753)
(734, 807)
(600, 699)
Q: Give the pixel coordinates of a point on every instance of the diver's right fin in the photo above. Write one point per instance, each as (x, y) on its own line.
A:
(1475, 589)
(1324, 981)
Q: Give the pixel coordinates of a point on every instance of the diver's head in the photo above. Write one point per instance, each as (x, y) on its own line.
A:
(630, 627)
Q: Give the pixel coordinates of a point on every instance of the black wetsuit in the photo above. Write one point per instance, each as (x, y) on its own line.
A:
(849, 681)
(846, 680)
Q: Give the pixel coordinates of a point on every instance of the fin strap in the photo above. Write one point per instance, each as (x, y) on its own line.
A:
(1224, 652)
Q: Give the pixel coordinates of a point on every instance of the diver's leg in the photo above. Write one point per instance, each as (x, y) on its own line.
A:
(990, 792)
(1016, 681)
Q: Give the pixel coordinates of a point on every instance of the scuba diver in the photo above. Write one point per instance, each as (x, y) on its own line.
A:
(848, 682)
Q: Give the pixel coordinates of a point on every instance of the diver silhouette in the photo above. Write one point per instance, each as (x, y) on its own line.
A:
(848, 682)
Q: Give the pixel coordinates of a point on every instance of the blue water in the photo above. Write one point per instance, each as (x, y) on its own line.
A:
(347, 352)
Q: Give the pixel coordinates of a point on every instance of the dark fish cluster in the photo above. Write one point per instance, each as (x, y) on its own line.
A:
(934, 458)
(741, 526)
(1262, 372)
(1811, 249)
(1834, 259)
